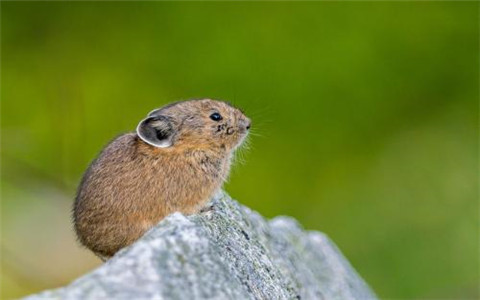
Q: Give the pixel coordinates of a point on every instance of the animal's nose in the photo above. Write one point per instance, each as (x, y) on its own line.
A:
(244, 123)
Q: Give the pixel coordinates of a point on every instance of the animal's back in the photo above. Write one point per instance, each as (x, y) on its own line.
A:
(116, 199)
(132, 186)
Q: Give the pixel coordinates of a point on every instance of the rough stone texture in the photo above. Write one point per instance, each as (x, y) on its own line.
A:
(229, 252)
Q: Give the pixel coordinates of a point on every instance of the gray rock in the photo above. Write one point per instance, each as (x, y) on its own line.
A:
(229, 252)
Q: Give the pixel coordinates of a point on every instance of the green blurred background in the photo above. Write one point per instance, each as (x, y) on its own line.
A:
(365, 114)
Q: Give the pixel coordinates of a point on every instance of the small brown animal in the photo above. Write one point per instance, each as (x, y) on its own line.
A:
(178, 158)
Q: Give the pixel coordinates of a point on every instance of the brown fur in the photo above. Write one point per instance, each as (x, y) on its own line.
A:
(133, 185)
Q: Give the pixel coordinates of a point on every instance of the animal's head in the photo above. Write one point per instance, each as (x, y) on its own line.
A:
(195, 123)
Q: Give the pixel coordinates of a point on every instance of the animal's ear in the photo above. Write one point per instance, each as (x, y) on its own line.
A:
(153, 112)
(157, 131)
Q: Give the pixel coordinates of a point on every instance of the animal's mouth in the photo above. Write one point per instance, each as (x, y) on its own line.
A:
(242, 135)
(241, 131)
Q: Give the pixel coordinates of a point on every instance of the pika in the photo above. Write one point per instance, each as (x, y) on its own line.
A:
(179, 156)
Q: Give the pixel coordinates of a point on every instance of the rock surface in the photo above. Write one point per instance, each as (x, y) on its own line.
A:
(229, 252)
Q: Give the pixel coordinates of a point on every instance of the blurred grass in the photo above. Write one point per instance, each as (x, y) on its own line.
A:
(366, 115)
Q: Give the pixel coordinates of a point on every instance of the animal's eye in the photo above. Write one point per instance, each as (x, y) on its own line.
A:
(216, 117)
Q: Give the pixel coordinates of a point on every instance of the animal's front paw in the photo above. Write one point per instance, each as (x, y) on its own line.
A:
(209, 208)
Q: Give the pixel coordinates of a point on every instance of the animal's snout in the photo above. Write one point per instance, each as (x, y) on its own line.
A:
(245, 123)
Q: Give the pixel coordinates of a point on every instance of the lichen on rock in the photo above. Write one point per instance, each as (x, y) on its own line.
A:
(227, 252)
